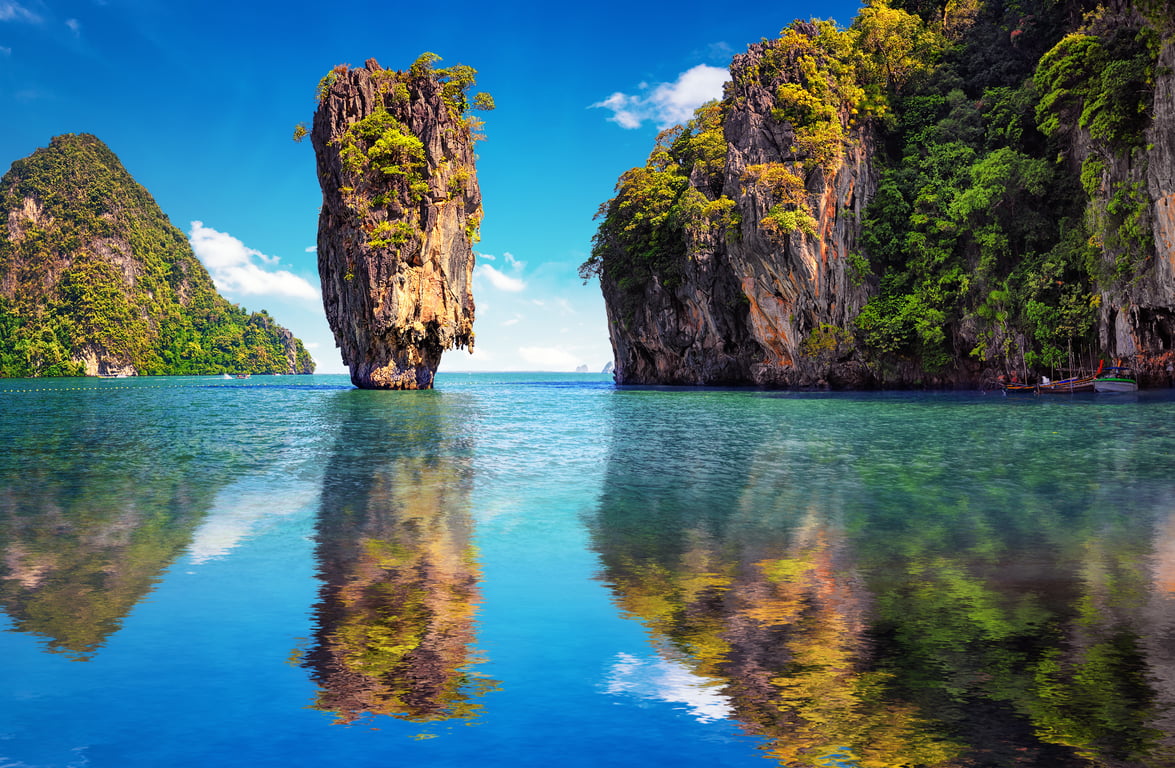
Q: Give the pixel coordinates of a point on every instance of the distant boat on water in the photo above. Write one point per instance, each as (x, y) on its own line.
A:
(241, 376)
(1067, 386)
(1047, 387)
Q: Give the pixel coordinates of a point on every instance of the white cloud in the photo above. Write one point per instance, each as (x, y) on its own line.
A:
(12, 11)
(312, 249)
(499, 277)
(669, 681)
(75, 26)
(5, 51)
(234, 269)
(668, 103)
(500, 280)
(549, 358)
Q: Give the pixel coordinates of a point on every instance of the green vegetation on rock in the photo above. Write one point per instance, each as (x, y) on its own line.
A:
(643, 229)
(1010, 150)
(93, 274)
(984, 237)
(381, 152)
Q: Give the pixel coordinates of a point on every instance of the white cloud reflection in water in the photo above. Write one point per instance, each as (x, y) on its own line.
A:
(242, 510)
(658, 679)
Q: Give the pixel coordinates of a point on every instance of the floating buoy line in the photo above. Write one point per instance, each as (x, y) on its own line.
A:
(108, 387)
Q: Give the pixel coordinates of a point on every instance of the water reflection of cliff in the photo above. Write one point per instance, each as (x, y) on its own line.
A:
(886, 595)
(88, 522)
(395, 619)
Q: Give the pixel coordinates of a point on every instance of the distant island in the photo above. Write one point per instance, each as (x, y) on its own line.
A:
(95, 280)
(937, 195)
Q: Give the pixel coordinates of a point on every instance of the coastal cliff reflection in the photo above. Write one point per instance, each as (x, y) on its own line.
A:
(395, 619)
(867, 590)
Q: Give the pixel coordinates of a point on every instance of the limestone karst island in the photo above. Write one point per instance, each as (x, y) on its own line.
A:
(938, 195)
(400, 213)
(95, 280)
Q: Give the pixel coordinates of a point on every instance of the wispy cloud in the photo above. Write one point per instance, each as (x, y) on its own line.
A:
(235, 270)
(667, 104)
(502, 279)
(242, 510)
(75, 26)
(13, 11)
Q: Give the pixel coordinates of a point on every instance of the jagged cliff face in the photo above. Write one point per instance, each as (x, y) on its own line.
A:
(1137, 322)
(795, 283)
(937, 196)
(762, 260)
(401, 208)
(94, 279)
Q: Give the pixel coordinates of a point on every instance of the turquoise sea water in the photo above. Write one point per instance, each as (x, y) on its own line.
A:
(548, 570)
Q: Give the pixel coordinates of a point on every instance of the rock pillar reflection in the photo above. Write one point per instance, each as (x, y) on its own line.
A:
(396, 615)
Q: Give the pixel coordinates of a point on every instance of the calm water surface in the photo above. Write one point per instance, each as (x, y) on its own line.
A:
(542, 570)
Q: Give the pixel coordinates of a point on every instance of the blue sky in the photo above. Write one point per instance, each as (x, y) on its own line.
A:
(200, 100)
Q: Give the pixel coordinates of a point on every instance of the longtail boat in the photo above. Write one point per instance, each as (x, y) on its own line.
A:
(1062, 387)
(1116, 379)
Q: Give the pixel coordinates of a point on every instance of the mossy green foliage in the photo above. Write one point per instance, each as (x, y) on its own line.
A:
(823, 79)
(382, 145)
(97, 264)
(643, 229)
(979, 235)
(381, 152)
(1100, 82)
(791, 210)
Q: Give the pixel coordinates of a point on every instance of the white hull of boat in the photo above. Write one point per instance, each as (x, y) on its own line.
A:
(1114, 385)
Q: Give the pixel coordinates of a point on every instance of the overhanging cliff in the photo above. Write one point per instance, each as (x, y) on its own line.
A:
(1134, 192)
(401, 209)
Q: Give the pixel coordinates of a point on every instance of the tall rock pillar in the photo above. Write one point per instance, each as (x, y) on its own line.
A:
(400, 213)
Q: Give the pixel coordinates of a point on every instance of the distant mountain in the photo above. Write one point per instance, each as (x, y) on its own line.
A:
(94, 279)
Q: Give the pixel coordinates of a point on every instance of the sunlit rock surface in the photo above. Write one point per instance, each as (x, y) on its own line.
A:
(400, 212)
